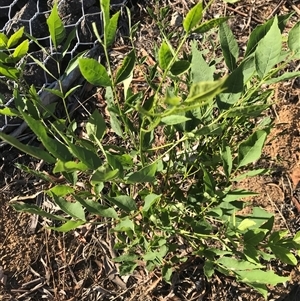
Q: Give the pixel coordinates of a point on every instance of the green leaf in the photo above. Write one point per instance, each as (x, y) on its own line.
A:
(204, 91)
(34, 209)
(55, 147)
(213, 252)
(105, 8)
(284, 254)
(124, 225)
(251, 173)
(69, 92)
(94, 72)
(42, 66)
(227, 160)
(111, 28)
(74, 63)
(250, 252)
(72, 208)
(268, 50)
(167, 272)
(200, 70)
(235, 83)
(210, 24)
(257, 34)
(283, 20)
(171, 98)
(250, 150)
(124, 202)
(127, 267)
(229, 46)
(261, 288)
(150, 256)
(95, 208)
(254, 236)
(260, 216)
(21, 50)
(88, 157)
(3, 41)
(284, 77)
(96, 126)
(296, 238)
(6, 111)
(71, 177)
(14, 39)
(68, 42)
(104, 174)
(36, 173)
(210, 130)
(69, 166)
(27, 149)
(126, 257)
(111, 107)
(165, 56)
(9, 72)
(153, 255)
(193, 17)
(115, 124)
(116, 162)
(294, 40)
(61, 190)
(146, 174)
(56, 27)
(260, 277)
(246, 224)
(237, 194)
(252, 110)
(36, 41)
(68, 226)
(266, 256)
(237, 265)
(4, 58)
(209, 182)
(268, 224)
(180, 67)
(150, 200)
(208, 269)
(174, 119)
(126, 68)
(275, 237)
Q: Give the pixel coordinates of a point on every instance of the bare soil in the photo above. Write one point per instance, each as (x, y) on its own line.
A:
(77, 266)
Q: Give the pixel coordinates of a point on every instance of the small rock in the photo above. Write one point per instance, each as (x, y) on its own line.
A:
(176, 20)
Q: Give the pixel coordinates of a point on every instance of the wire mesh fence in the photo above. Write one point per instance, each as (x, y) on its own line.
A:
(77, 15)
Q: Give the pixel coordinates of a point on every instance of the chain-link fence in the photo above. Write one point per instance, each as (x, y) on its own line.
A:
(32, 14)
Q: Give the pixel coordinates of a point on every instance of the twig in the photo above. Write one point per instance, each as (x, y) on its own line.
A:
(275, 9)
(297, 10)
(279, 211)
(31, 291)
(35, 218)
(296, 203)
(3, 277)
(244, 14)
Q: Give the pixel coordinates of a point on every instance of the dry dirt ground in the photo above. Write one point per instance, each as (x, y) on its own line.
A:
(42, 265)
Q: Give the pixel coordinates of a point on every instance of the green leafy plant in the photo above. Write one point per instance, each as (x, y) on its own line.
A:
(178, 193)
